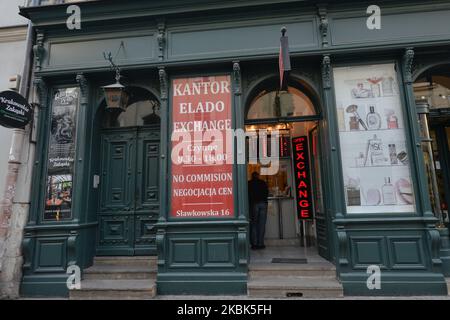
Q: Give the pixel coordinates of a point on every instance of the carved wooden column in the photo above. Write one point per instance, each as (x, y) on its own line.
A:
(164, 160)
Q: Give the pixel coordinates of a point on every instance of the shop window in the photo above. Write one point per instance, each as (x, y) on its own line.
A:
(284, 104)
(138, 114)
(435, 89)
(374, 154)
(143, 110)
(61, 155)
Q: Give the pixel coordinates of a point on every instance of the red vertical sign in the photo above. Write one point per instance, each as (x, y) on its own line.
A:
(302, 179)
(202, 164)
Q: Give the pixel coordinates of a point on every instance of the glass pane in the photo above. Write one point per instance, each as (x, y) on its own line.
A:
(439, 165)
(293, 103)
(447, 130)
(138, 114)
(58, 201)
(374, 153)
(435, 90)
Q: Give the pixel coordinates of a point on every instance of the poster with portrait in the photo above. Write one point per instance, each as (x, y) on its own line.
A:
(377, 175)
(61, 155)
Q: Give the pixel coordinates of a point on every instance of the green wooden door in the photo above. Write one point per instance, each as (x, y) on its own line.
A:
(129, 195)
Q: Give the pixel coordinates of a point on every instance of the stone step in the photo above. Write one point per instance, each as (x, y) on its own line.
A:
(118, 272)
(294, 287)
(150, 261)
(287, 269)
(115, 290)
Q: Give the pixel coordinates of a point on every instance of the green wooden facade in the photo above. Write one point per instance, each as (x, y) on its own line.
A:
(176, 38)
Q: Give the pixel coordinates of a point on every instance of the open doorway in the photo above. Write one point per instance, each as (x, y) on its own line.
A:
(432, 88)
(296, 224)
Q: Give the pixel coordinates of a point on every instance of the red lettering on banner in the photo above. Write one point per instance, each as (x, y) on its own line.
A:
(304, 214)
(302, 180)
(303, 193)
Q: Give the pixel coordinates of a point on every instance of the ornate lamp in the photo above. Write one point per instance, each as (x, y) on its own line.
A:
(116, 95)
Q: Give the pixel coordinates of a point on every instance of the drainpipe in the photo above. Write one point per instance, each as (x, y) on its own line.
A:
(12, 219)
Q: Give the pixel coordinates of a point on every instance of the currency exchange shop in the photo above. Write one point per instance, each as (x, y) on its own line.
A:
(152, 170)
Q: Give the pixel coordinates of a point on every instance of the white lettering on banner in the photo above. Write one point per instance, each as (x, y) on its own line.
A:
(203, 177)
(192, 126)
(207, 107)
(200, 88)
(202, 192)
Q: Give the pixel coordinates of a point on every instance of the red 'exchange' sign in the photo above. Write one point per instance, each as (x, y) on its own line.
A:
(202, 170)
(302, 179)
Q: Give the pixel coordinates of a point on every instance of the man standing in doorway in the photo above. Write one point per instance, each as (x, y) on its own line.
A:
(258, 193)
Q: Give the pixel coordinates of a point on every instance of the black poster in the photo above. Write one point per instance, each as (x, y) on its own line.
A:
(61, 155)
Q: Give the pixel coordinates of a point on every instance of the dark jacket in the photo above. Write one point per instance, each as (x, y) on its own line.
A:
(257, 191)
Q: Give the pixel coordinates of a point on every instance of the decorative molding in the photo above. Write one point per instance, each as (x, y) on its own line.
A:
(72, 249)
(323, 15)
(306, 74)
(41, 90)
(27, 249)
(343, 247)
(160, 245)
(13, 34)
(163, 83)
(161, 39)
(237, 78)
(84, 86)
(408, 59)
(435, 239)
(243, 247)
(252, 77)
(326, 72)
(39, 51)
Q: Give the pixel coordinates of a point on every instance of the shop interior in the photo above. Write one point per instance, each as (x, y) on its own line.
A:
(283, 223)
(290, 115)
(432, 90)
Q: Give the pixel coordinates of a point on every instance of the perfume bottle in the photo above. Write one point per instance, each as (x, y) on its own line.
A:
(393, 154)
(388, 191)
(375, 152)
(354, 124)
(388, 86)
(392, 122)
(373, 119)
(360, 160)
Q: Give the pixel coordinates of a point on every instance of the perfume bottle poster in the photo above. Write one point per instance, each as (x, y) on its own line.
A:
(377, 176)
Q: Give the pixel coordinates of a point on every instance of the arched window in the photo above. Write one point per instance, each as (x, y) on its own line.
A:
(434, 87)
(273, 104)
(143, 110)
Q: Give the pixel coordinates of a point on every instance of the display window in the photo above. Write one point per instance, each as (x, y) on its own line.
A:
(375, 162)
(61, 155)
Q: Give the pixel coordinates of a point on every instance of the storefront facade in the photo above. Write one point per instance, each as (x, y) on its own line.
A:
(105, 183)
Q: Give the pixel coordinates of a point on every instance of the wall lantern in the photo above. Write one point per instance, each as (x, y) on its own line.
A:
(116, 95)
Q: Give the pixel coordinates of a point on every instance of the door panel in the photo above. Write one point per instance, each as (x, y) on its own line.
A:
(116, 214)
(147, 191)
(129, 195)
